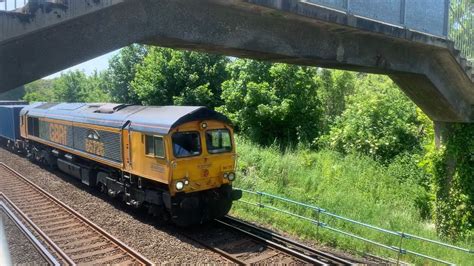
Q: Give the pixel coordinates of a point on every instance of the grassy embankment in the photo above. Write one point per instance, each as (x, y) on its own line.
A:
(353, 186)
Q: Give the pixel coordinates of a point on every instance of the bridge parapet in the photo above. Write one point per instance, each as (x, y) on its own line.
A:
(398, 12)
(20, 17)
(452, 19)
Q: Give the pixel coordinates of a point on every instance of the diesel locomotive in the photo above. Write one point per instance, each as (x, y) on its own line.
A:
(178, 162)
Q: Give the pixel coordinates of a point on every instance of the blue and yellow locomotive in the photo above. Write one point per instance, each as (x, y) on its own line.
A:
(176, 161)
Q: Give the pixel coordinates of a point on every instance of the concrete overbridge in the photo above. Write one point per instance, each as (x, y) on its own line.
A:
(406, 40)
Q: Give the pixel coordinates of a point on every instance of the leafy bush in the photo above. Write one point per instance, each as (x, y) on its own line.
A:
(272, 103)
(335, 87)
(121, 72)
(168, 76)
(379, 121)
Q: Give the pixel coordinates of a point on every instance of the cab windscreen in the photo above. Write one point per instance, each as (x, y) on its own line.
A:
(186, 144)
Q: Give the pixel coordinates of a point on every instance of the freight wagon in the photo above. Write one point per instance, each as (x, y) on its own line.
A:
(10, 124)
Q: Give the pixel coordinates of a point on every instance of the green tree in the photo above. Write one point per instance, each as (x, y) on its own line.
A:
(121, 72)
(40, 91)
(96, 88)
(272, 102)
(336, 86)
(379, 121)
(169, 76)
(73, 86)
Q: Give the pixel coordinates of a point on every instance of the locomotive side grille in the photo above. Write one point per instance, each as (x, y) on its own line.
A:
(111, 142)
(57, 133)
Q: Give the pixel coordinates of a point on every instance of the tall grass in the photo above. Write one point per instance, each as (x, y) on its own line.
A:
(354, 186)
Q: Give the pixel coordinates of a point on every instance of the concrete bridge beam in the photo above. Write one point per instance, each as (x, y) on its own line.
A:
(424, 66)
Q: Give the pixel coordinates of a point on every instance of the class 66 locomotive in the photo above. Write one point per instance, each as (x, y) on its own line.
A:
(178, 162)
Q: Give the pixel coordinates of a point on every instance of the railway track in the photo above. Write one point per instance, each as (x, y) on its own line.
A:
(73, 238)
(41, 248)
(245, 244)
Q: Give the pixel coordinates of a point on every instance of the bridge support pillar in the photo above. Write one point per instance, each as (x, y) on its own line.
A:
(454, 175)
(442, 131)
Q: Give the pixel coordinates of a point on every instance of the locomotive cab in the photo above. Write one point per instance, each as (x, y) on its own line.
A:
(203, 156)
(203, 159)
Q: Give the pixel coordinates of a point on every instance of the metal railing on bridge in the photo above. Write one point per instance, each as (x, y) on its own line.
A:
(461, 26)
(451, 19)
(316, 216)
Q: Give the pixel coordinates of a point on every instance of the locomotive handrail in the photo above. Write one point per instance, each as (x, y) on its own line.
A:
(319, 224)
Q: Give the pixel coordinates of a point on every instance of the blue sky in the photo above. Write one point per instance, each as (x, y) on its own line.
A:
(99, 63)
(11, 4)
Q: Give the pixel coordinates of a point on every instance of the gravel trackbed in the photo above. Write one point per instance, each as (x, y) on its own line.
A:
(160, 244)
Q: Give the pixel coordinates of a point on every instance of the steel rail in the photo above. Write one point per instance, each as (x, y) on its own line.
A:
(325, 255)
(275, 245)
(36, 243)
(219, 251)
(126, 249)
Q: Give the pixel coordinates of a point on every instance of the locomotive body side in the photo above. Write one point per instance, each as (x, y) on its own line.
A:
(70, 137)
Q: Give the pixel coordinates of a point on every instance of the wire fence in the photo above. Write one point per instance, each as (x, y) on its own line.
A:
(268, 201)
(461, 26)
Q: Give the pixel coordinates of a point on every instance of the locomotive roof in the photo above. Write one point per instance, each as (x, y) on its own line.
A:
(150, 119)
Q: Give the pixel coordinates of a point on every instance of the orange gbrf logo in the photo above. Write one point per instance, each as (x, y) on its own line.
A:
(95, 147)
(58, 133)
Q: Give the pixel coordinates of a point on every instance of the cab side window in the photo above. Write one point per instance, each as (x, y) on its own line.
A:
(154, 146)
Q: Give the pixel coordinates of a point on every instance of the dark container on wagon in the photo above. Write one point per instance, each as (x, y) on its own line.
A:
(10, 122)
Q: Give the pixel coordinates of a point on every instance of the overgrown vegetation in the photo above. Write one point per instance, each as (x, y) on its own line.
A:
(354, 185)
(273, 102)
(452, 167)
(349, 142)
(379, 121)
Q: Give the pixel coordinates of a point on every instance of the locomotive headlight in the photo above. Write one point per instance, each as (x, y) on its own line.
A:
(226, 175)
(231, 176)
(179, 185)
(204, 125)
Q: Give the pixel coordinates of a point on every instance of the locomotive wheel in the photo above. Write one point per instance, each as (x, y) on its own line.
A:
(102, 188)
(164, 218)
